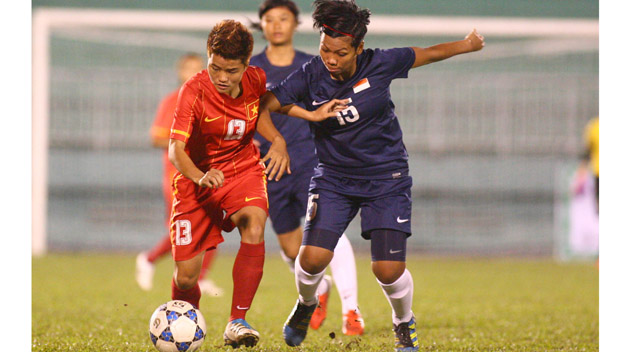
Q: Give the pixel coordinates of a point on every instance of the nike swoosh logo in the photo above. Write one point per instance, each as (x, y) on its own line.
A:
(316, 103)
(400, 221)
(391, 251)
(242, 308)
(249, 199)
(207, 119)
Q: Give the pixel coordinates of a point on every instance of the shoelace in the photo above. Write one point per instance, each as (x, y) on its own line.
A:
(238, 327)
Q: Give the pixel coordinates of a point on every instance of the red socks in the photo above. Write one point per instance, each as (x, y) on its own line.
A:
(192, 295)
(247, 274)
(163, 247)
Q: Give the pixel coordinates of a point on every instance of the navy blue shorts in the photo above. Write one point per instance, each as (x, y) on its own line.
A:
(334, 200)
(288, 197)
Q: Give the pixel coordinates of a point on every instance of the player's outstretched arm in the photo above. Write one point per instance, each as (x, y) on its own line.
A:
(277, 154)
(176, 152)
(270, 103)
(472, 42)
(322, 113)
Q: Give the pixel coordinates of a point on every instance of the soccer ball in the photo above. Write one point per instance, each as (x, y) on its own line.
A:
(177, 326)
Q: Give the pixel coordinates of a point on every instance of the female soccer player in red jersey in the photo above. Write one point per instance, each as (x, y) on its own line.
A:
(221, 180)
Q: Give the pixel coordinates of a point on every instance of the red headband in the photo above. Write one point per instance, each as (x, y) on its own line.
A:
(334, 30)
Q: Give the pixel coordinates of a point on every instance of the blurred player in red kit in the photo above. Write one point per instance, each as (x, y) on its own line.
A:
(187, 66)
(221, 183)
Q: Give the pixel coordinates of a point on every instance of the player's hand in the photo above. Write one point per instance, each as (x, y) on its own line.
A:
(278, 159)
(330, 109)
(213, 178)
(476, 40)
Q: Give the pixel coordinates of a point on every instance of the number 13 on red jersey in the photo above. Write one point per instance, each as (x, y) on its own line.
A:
(236, 130)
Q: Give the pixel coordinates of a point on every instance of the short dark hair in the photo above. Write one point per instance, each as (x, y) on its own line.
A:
(270, 4)
(231, 40)
(341, 17)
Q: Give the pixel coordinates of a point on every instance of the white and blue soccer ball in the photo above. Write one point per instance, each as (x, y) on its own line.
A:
(177, 326)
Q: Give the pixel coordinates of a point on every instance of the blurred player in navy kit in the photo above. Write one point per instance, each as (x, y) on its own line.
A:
(363, 163)
(288, 198)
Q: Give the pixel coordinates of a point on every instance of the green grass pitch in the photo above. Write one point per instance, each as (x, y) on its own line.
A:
(90, 302)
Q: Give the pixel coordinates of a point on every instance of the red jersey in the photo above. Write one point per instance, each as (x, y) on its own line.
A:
(161, 129)
(218, 129)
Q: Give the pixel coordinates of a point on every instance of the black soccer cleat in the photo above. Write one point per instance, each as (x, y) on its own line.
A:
(297, 323)
(406, 336)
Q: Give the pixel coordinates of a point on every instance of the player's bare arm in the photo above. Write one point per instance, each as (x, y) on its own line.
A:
(330, 109)
(160, 142)
(277, 154)
(322, 113)
(213, 178)
(472, 42)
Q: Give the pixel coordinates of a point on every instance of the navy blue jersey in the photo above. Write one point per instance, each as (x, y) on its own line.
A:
(366, 139)
(295, 131)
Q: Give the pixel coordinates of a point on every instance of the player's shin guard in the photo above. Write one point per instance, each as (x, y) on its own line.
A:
(400, 296)
(191, 295)
(307, 284)
(247, 274)
(343, 268)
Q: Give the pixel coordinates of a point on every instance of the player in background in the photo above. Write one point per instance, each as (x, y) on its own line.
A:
(288, 198)
(363, 164)
(187, 66)
(590, 159)
(220, 183)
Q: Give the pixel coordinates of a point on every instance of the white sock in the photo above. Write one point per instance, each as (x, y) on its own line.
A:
(400, 296)
(324, 286)
(289, 261)
(343, 268)
(307, 284)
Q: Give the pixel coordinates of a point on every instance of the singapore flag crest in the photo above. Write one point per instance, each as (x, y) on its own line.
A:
(361, 85)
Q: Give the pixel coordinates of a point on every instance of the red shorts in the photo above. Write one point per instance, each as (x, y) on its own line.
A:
(199, 214)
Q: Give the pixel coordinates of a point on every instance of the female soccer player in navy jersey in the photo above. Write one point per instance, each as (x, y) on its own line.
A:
(363, 164)
(288, 198)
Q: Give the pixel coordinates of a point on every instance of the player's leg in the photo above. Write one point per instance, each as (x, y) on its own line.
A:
(389, 267)
(207, 286)
(185, 281)
(288, 204)
(328, 215)
(290, 242)
(386, 220)
(195, 227)
(285, 215)
(310, 266)
(144, 263)
(285, 212)
(247, 273)
(246, 208)
(343, 267)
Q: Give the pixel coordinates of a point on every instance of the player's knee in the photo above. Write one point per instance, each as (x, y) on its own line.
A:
(252, 230)
(186, 281)
(314, 260)
(290, 253)
(388, 272)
